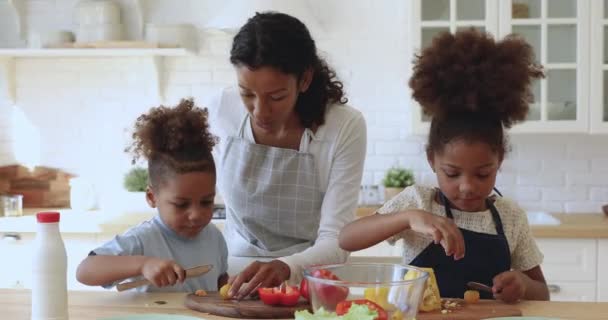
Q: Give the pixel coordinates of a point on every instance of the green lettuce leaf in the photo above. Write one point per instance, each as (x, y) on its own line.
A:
(356, 312)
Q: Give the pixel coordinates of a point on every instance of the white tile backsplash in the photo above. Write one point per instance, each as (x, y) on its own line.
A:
(85, 106)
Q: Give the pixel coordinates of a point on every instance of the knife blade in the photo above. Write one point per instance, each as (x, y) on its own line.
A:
(479, 286)
(192, 272)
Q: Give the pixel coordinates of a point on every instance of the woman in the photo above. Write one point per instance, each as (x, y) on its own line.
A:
(290, 157)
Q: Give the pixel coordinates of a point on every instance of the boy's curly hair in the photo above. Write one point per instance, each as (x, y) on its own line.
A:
(173, 140)
(472, 86)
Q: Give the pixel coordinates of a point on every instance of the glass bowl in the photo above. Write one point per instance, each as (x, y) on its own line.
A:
(335, 287)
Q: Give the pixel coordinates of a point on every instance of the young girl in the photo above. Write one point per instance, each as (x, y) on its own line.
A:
(472, 87)
(177, 144)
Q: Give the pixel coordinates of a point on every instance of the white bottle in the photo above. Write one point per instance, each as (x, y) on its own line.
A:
(49, 270)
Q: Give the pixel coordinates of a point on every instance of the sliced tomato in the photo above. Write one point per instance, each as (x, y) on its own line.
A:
(304, 289)
(328, 294)
(289, 296)
(343, 307)
(270, 296)
(284, 295)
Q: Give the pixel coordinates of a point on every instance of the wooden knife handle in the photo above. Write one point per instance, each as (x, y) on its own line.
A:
(133, 284)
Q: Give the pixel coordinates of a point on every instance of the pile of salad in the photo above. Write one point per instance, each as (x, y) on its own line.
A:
(356, 312)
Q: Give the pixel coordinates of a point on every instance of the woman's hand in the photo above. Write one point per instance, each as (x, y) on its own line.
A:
(443, 230)
(258, 275)
(162, 272)
(510, 286)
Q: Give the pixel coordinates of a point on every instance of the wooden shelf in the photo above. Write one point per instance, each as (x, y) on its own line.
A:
(154, 58)
(130, 52)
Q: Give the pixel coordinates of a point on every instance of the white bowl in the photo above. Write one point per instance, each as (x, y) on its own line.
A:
(174, 35)
(106, 32)
(100, 12)
(49, 39)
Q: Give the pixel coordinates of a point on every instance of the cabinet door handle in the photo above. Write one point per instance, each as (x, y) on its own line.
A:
(553, 288)
(11, 237)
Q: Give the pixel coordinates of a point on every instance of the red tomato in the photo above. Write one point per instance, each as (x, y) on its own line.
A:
(304, 289)
(269, 296)
(284, 295)
(342, 308)
(329, 295)
(289, 296)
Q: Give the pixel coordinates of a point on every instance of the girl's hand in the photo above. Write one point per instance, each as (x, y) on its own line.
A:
(443, 230)
(258, 274)
(510, 286)
(162, 272)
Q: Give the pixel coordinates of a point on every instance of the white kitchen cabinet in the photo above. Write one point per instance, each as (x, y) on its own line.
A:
(15, 272)
(16, 253)
(569, 259)
(599, 67)
(559, 32)
(570, 267)
(602, 266)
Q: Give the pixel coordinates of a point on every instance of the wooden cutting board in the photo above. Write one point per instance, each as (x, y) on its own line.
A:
(244, 309)
(484, 309)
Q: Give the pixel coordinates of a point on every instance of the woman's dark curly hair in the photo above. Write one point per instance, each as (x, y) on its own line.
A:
(472, 86)
(174, 140)
(272, 39)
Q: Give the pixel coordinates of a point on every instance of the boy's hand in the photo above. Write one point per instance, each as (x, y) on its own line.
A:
(163, 272)
(443, 230)
(510, 286)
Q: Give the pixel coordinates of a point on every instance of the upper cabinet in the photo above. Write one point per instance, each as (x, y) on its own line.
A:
(567, 38)
(599, 66)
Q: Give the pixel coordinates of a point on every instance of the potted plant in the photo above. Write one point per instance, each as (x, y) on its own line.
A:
(135, 183)
(136, 180)
(395, 180)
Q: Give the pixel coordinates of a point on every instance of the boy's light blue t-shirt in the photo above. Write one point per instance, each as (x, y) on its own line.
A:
(153, 238)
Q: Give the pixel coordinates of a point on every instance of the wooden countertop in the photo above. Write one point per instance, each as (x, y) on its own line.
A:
(15, 304)
(572, 225)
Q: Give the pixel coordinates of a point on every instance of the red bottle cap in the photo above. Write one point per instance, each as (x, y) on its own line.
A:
(47, 217)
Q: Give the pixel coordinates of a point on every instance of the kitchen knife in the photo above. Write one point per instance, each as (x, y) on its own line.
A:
(192, 272)
(479, 286)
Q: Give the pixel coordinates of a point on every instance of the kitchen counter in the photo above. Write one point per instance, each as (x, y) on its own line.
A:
(82, 222)
(15, 305)
(572, 225)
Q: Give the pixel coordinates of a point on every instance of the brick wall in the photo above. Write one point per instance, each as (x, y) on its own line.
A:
(83, 106)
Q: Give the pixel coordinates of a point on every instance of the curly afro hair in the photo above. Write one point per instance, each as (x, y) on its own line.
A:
(472, 86)
(174, 140)
(281, 41)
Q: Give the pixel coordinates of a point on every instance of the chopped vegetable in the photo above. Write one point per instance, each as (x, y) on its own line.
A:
(397, 315)
(224, 291)
(379, 295)
(304, 289)
(356, 312)
(284, 295)
(431, 299)
(471, 296)
(343, 307)
(329, 295)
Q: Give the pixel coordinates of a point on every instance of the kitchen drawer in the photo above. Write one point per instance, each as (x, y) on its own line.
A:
(569, 259)
(382, 249)
(15, 269)
(16, 272)
(573, 291)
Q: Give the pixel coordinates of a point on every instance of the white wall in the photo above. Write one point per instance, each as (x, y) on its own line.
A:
(84, 106)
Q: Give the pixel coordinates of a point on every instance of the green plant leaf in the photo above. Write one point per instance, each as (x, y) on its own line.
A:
(397, 177)
(136, 180)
